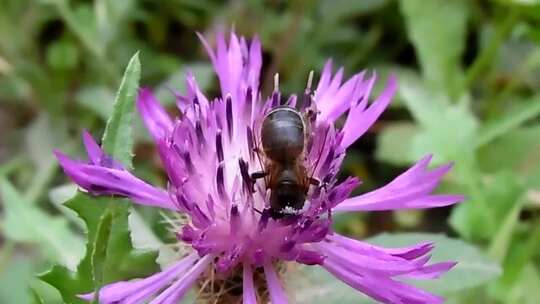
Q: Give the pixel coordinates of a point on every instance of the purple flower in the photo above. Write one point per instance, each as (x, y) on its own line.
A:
(209, 154)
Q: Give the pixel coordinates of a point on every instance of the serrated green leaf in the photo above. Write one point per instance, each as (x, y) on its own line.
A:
(70, 284)
(144, 238)
(437, 30)
(473, 269)
(99, 254)
(121, 260)
(109, 253)
(24, 222)
(118, 137)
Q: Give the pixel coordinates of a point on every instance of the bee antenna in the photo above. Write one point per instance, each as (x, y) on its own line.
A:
(309, 81)
(305, 101)
(276, 82)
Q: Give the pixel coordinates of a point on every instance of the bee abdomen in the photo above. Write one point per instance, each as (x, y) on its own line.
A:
(283, 135)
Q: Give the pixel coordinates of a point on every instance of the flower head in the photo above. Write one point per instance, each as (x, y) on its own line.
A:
(210, 155)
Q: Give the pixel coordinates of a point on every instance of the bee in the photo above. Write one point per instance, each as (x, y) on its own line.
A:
(283, 136)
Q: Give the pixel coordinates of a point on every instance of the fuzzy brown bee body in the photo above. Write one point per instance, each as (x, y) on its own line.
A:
(283, 136)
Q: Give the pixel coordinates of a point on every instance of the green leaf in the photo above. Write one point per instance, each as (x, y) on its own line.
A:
(437, 30)
(59, 195)
(118, 137)
(524, 291)
(24, 222)
(45, 293)
(500, 243)
(444, 138)
(473, 268)
(41, 138)
(335, 10)
(144, 238)
(99, 255)
(509, 121)
(522, 253)
(121, 260)
(110, 255)
(315, 285)
(515, 151)
(424, 104)
(521, 2)
(14, 282)
(394, 143)
(81, 20)
(500, 192)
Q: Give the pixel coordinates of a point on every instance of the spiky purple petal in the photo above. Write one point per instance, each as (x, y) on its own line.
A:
(277, 294)
(99, 180)
(136, 291)
(249, 292)
(410, 190)
(154, 116)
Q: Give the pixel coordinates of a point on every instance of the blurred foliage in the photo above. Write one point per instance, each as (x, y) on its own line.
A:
(468, 70)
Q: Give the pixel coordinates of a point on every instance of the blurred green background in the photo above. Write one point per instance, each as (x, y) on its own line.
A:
(468, 72)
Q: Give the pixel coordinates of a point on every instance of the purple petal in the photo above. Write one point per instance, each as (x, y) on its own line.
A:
(255, 63)
(277, 294)
(141, 289)
(99, 180)
(249, 292)
(310, 257)
(407, 253)
(362, 284)
(433, 271)
(360, 120)
(376, 262)
(340, 101)
(381, 288)
(96, 154)
(326, 76)
(410, 190)
(92, 148)
(154, 116)
(176, 291)
(236, 66)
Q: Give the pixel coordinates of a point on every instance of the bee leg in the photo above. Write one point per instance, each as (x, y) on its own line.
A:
(258, 175)
(255, 176)
(315, 182)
